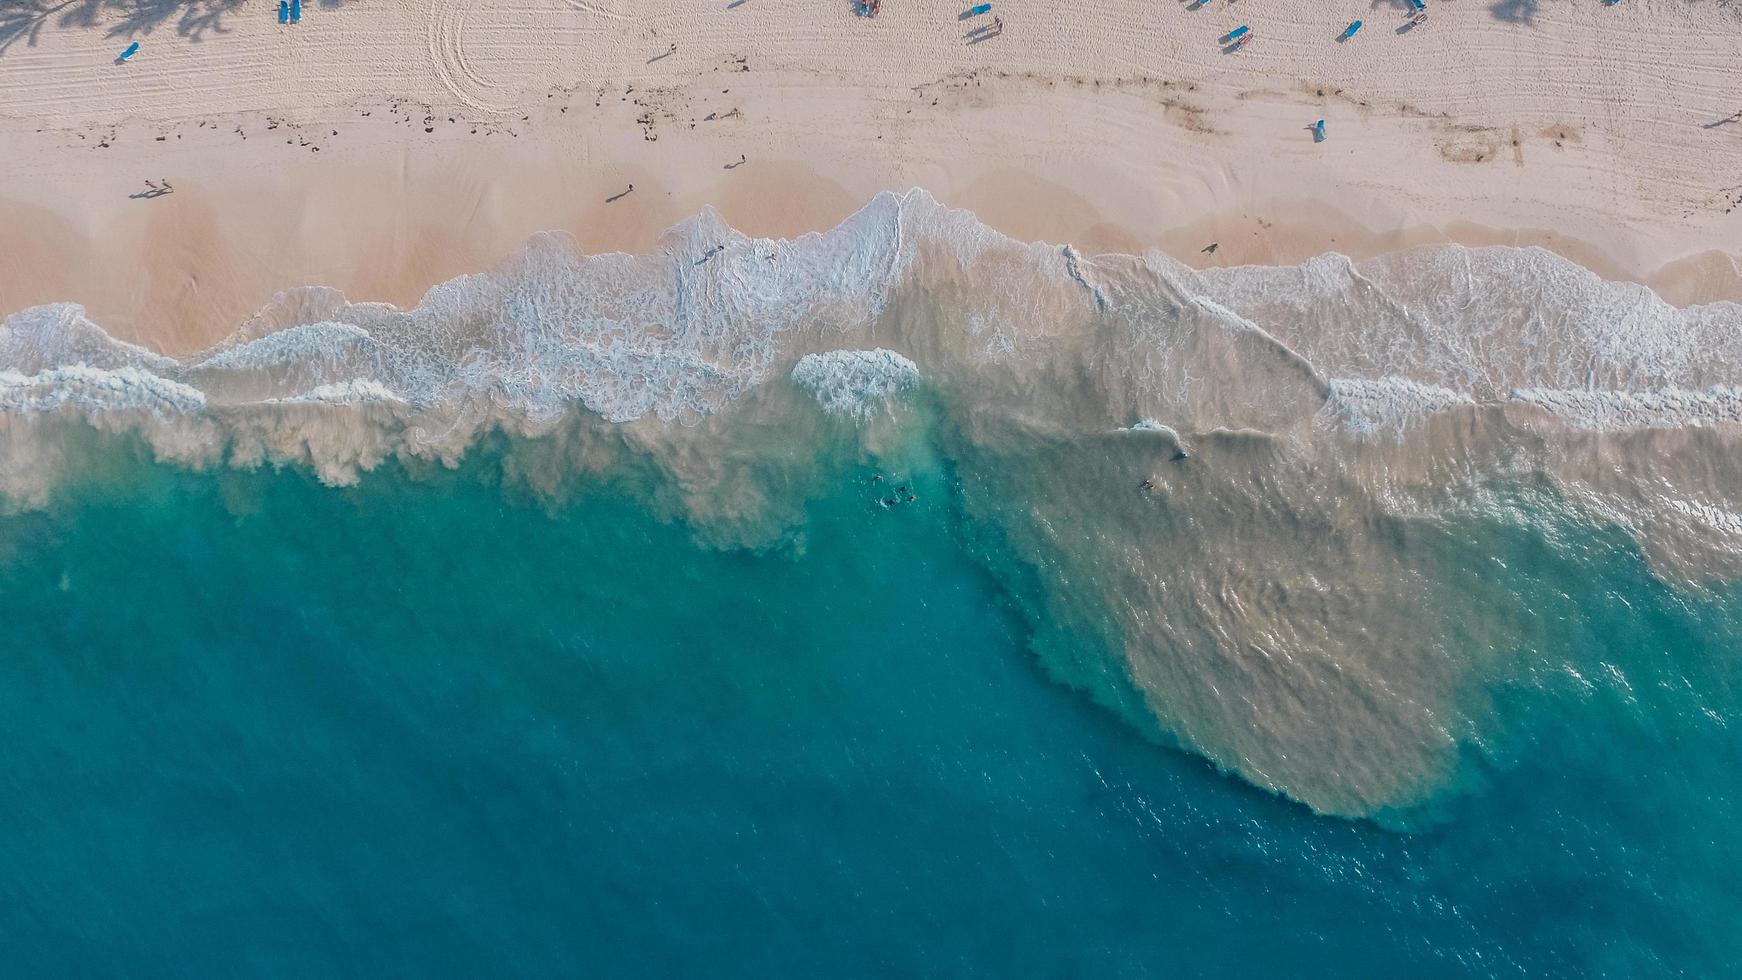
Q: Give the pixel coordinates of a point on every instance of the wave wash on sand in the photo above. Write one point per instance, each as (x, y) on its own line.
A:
(1237, 487)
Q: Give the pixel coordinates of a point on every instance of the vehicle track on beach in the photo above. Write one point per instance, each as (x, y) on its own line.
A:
(447, 56)
(480, 56)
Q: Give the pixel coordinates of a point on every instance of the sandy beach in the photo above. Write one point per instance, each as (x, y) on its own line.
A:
(384, 147)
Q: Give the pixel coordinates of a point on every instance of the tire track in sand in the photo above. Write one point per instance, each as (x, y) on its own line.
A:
(447, 56)
(454, 24)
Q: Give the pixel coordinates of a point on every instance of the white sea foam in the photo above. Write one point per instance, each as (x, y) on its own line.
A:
(95, 391)
(58, 334)
(358, 392)
(1389, 405)
(1075, 267)
(855, 382)
(1151, 425)
(1484, 321)
(1607, 411)
(710, 314)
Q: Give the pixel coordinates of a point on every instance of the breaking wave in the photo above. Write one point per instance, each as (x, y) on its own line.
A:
(1234, 485)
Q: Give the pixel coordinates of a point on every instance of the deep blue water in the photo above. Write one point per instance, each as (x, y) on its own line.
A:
(250, 725)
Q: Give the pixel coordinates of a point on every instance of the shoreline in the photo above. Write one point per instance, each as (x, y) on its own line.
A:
(196, 264)
(1142, 140)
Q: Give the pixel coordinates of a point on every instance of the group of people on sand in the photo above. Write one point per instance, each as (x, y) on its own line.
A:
(155, 189)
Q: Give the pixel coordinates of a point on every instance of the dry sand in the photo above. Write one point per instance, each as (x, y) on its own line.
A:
(381, 147)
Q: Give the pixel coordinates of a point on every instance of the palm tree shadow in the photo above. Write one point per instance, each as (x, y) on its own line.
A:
(23, 21)
(1514, 11)
(194, 18)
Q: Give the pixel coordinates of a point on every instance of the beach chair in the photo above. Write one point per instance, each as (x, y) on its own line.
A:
(283, 11)
(979, 8)
(1319, 131)
(1237, 36)
(295, 11)
(1349, 32)
(132, 49)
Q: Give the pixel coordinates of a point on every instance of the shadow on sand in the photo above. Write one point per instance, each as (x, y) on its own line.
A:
(1514, 11)
(25, 20)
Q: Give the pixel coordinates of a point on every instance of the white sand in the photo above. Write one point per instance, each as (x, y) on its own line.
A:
(1119, 124)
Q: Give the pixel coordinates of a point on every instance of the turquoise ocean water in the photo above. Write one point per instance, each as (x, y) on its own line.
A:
(431, 725)
(896, 601)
